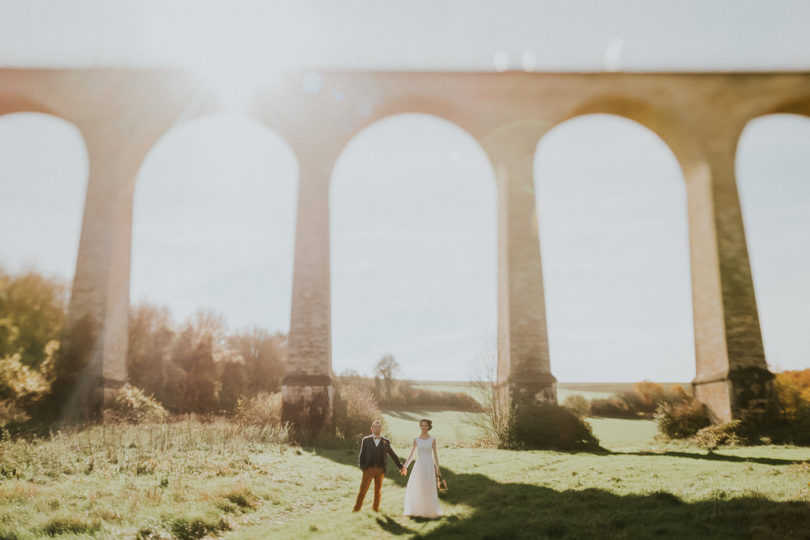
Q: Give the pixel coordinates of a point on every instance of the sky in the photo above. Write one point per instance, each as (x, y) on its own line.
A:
(412, 202)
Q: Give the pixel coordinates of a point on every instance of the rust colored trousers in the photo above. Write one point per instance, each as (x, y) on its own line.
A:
(371, 473)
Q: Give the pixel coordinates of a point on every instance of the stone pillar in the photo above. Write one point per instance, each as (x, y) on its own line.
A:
(100, 293)
(523, 356)
(732, 375)
(307, 390)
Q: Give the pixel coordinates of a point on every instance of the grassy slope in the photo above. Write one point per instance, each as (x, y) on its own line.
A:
(122, 479)
(115, 481)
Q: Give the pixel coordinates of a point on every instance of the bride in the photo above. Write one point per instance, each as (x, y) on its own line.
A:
(421, 497)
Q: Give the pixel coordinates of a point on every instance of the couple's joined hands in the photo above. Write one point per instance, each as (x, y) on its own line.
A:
(403, 471)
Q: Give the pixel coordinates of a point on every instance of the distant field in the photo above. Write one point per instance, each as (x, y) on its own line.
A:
(588, 390)
(449, 428)
(446, 386)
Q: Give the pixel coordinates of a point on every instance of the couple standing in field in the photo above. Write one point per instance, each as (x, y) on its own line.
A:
(421, 494)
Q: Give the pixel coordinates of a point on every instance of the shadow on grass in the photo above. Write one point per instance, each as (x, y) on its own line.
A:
(349, 456)
(711, 456)
(515, 510)
(392, 527)
(530, 511)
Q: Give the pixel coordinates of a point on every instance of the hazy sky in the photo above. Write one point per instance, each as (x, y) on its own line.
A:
(413, 198)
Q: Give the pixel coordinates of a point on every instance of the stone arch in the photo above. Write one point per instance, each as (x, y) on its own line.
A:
(425, 104)
(799, 106)
(16, 103)
(666, 124)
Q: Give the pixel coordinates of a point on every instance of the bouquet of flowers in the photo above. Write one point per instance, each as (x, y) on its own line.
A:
(441, 485)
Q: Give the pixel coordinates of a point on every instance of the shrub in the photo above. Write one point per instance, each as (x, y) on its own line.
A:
(20, 388)
(10, 413)
(492, 422)
(791, 396)
(799, 379)
(262, 409)
(189, 529)
(545, 425)
(710, 437)
(795, 430)
(354, 410)
(238, 501)
(131, 404)
(71, 525)
(611, 408)
(788, 422)
(642, 402)
(791, 424)
(682, 420)
(407, 397)
(578, 404)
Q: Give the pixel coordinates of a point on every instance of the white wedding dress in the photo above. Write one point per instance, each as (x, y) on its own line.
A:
(421, 496)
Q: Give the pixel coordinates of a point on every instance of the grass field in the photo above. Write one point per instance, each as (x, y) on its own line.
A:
(189, 479)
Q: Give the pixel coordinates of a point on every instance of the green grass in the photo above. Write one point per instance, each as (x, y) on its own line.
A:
(115, 480)
(190, 479)
(615, 433)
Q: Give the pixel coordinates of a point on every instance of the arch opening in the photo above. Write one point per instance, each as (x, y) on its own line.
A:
(43, 178)
(773, 167)
(213, 225)
(413, 249)
(611, 201)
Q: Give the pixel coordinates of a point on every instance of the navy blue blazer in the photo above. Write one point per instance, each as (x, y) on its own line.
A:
(367, 450)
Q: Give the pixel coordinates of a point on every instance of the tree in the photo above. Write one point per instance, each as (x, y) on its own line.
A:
(32, 314)
(386, 368)
(233, 384)
(197, 350)
(264, 356)
(148, 354)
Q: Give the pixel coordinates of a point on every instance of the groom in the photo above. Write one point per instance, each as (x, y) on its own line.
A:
(374, 452)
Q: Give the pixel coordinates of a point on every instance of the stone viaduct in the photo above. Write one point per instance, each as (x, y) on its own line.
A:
(121, 113)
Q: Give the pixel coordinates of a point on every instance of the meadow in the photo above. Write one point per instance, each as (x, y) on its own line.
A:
(189, 479)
